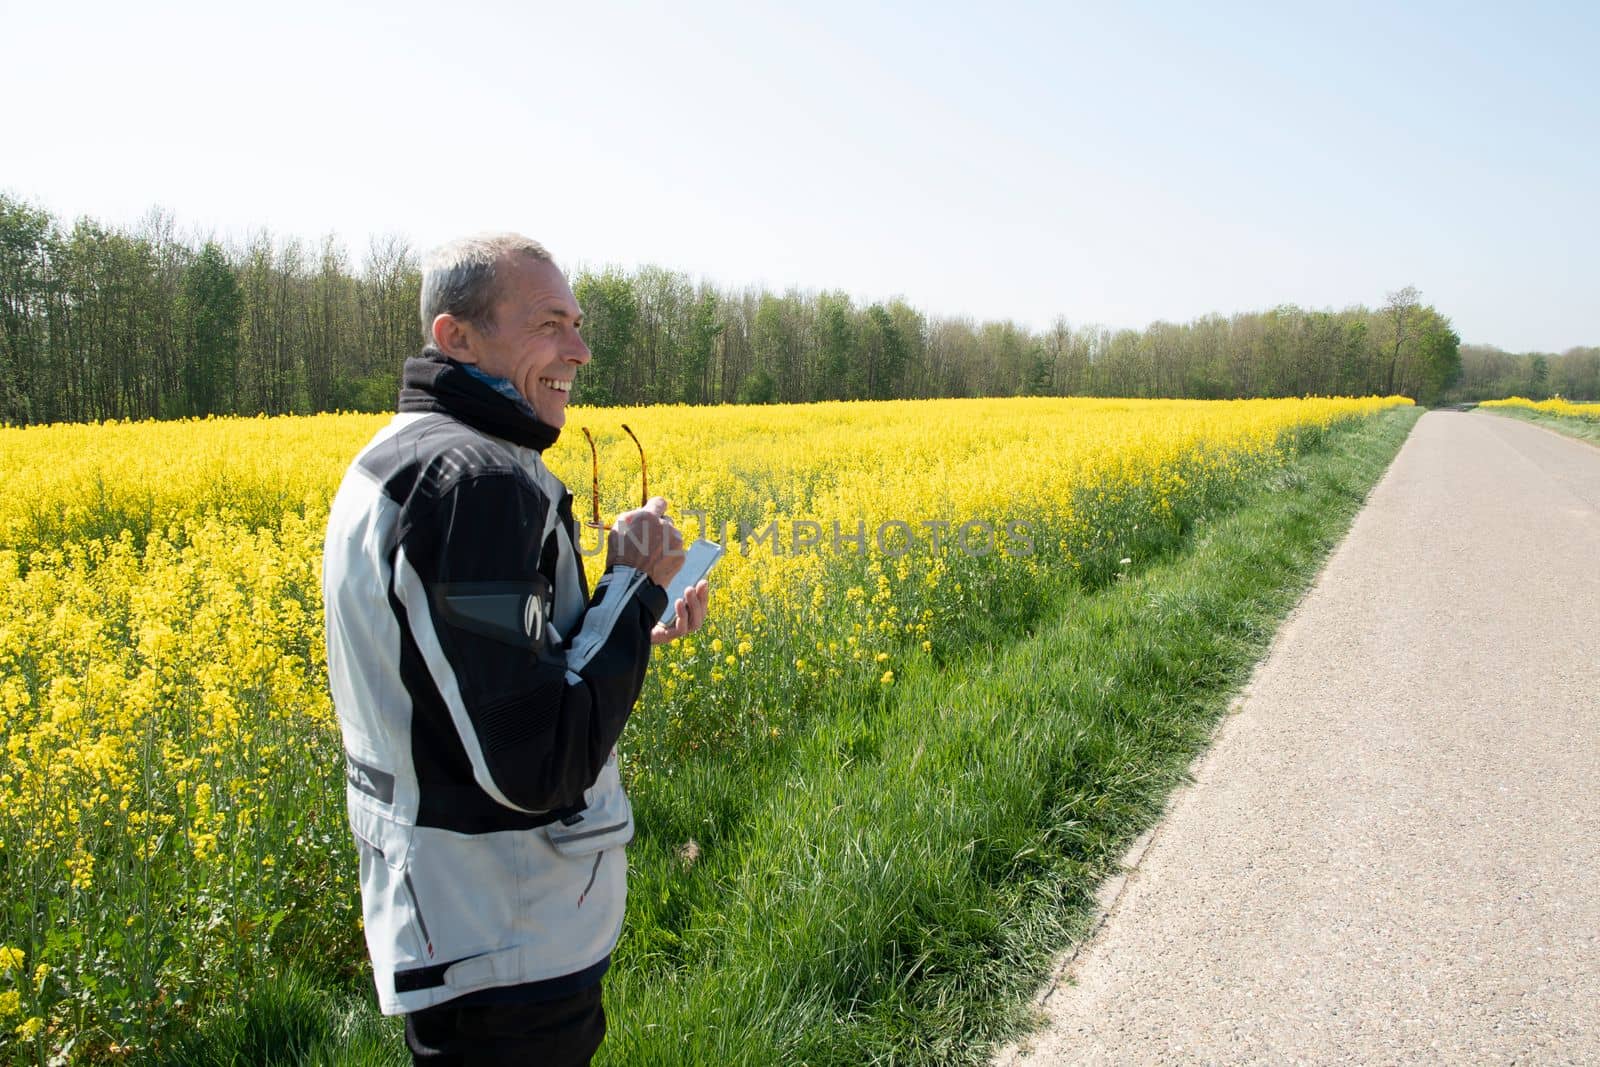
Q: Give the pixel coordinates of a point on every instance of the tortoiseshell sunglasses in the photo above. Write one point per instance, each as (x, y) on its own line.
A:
(644, 476)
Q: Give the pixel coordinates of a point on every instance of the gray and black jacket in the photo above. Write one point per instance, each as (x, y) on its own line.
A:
(481, 690)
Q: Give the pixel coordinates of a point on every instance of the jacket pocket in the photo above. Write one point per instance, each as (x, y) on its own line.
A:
(397, 930)
(463, 890)
(605, 822)
(390, 839)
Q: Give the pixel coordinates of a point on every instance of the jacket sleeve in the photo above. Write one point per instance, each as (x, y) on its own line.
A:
(537, 712)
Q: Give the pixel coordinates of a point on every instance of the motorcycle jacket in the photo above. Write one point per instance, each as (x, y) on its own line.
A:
(480, 690)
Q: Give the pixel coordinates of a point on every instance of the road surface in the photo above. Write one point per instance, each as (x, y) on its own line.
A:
(1391, 852)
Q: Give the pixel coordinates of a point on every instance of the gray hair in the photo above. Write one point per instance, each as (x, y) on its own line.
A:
(458, 278)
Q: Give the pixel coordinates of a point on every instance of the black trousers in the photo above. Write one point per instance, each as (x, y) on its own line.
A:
(552, 1033)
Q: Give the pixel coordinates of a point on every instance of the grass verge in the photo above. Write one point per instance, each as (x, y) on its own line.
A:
(893, 884)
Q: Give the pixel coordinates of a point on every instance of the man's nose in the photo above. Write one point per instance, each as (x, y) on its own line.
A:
(576, 351)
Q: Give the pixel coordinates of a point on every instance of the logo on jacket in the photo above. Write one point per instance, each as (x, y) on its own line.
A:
(533, 618)
(368, 779)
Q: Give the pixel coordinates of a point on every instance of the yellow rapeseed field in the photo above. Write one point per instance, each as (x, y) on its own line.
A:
(171, 792)
(1556, 406)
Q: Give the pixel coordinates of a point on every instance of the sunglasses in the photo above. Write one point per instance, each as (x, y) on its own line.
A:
(644, 476)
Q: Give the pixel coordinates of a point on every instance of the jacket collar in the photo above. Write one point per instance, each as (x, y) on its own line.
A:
(435, 382)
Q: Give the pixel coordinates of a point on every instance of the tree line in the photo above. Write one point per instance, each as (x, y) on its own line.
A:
(1489, 373)
(102, 322)
(107, 322)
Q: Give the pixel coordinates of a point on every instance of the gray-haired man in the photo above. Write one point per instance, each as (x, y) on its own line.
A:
(480, 687)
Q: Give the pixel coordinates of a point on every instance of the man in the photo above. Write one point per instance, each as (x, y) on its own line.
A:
(480, 687)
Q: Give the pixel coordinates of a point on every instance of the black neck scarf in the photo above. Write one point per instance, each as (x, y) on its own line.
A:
(435, 382)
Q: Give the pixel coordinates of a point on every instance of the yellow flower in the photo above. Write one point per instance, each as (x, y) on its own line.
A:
(10, 1003)
(887, 679)
(11, 959)
(883, 657)
(81, 867)
(30, 1028)
(205, 846)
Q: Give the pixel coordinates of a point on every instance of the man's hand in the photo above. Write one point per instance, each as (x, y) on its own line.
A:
(691, 612)
(646, 540)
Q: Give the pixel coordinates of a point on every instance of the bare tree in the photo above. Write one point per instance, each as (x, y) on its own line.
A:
(1398, 310)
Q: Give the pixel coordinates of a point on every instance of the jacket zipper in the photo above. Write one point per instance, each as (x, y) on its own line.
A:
(416, 909)
(593, 873)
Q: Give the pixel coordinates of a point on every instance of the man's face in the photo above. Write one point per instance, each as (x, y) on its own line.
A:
(534, 342)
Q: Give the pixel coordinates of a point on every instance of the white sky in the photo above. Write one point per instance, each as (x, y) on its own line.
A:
(1003, 161)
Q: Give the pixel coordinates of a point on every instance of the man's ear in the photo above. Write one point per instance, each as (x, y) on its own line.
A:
(452, 337)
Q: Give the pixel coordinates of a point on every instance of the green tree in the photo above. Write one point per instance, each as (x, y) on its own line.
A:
(699, 346)
(1579, 374)
(388, 293)
(610, 322)
(27, 235)
(330, 350)
(1539, 377)
(1439, 357)
(210, 309)
(759, 388)
(661, 337)
(883, 350)
(836, 346)
(777, 345)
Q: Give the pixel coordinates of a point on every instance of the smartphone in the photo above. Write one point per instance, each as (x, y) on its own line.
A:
(702, 555)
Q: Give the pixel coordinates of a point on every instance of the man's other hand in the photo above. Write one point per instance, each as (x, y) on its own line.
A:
(646, 540)
(691, 613)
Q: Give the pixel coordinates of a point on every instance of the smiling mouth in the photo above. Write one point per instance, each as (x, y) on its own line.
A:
(560, 385)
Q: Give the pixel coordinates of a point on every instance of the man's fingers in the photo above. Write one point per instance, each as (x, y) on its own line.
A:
(693, 611)
(690, 614)
(649, 541)
(651, 530)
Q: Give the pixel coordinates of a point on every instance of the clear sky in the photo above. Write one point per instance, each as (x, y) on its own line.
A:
(1115, 164)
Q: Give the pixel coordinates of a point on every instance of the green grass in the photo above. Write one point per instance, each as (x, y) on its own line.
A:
(294, 1020)
(893, 882)
(1582, 429)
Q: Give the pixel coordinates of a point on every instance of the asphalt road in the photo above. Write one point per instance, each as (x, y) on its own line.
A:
(1391, 852)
